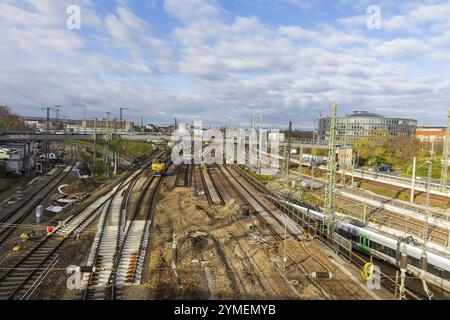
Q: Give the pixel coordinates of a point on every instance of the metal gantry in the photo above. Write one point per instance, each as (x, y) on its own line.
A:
(445, 156)
(330, 190)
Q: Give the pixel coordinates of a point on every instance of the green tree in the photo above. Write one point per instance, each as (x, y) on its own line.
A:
(10, 121)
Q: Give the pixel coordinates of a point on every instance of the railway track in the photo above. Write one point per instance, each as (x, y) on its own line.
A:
(436, 200)
(205, 184)
(358, 261)
(119, 247)
(394, 220)
(208, 176)
(384, 217)
(24, 276)
(305, 266)
(199, 184)
(12, 219)
(131, 254)
(182, 179)
(262, 214)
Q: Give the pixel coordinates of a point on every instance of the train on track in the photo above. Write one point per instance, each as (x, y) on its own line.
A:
(388, 249)
(158, 167)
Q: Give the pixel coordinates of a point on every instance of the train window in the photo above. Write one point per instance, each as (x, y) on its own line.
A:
(438, 271)
(391, 252)
(413, 261)
(446, 275)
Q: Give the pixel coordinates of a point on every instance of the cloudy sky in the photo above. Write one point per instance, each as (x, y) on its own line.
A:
(225, 60)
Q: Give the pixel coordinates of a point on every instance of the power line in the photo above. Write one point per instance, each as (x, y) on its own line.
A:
(10, 102)
(22, 94)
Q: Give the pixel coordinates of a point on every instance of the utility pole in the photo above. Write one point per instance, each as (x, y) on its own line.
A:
(315, 132)
(107, 145)
(300, 165)
(413, 181)
(330, 189)
(142, 124)
(261, 124)
(284, 246)
(116, 145)
(47, 129)
(121, 113)
(94, 166)
(344, 160)
(58, 107)
(288, 155)
(353, 168)
(445, 156)
(84, 118)
(424, 260)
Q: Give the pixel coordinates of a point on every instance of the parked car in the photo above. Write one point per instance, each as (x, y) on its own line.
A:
(384, 169)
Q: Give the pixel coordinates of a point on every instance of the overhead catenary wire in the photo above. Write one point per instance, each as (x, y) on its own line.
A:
(22, 94)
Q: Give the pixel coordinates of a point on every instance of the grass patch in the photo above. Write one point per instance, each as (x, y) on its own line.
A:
(135, 148)
(127, 149)
(422, 169)
(260, 177)
(312, 199)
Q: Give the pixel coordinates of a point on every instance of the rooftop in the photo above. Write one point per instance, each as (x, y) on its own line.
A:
(356, 114)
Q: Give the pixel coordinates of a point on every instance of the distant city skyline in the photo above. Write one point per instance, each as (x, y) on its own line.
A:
(221, 60)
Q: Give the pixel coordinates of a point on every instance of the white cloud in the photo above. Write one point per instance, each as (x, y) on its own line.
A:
(193, 10)
(397, 23)
(214, 65)
(430, 13)
(403, 48)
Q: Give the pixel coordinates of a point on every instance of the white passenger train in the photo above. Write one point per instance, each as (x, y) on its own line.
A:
(388, 249)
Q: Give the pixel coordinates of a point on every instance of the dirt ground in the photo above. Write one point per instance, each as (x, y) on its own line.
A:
(220, 256)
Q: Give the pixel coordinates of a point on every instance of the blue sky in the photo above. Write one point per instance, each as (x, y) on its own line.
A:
(221, 60)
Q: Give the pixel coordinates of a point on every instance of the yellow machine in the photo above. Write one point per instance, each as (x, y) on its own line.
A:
(158, 167)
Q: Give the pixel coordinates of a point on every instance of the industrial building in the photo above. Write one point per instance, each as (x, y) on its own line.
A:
(361, 124)
(18, 157)
(430, 133)
(100, 126)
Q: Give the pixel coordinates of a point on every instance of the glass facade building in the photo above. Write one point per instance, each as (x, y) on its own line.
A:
(362, 124)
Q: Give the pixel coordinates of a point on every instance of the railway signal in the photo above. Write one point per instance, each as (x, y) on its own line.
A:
(50, 230)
